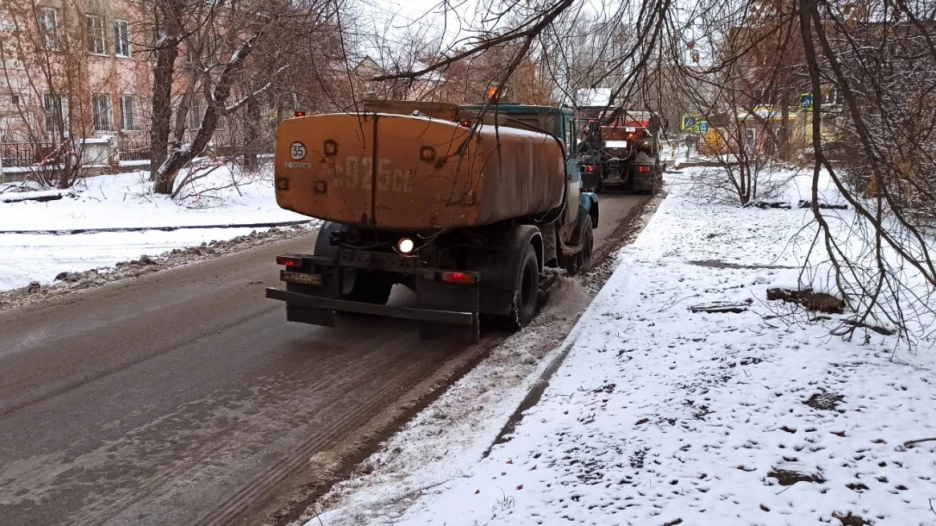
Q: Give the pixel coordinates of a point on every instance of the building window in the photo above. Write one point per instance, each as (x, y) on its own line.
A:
(14, 99)
(48, 28)
(128, 113)
(191, 49)
(122, 37)
(97, 45)
(55, 107)
(750, 137)
(205, 46)
(103, 112)
(196, 112)
(211, 51)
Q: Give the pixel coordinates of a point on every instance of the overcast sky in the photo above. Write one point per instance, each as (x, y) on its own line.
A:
(388, 21)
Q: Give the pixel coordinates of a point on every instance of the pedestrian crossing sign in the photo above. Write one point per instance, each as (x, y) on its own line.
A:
(688, 122)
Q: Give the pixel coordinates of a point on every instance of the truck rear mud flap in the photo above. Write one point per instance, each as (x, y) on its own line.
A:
(445, 311)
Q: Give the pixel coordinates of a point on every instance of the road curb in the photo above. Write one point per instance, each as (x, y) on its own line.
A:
(536, 391)
(77, 231)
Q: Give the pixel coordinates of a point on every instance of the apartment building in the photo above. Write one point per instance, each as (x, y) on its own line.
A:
(82, 69)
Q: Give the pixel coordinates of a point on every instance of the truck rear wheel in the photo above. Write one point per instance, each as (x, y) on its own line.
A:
(370, 287)
(526, 293)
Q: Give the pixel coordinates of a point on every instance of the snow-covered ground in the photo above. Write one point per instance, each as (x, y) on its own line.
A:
(661, 416)
(100, 205)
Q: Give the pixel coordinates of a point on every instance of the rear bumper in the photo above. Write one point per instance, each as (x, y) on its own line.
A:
(643, 181)
(315, 302)
(444, 309)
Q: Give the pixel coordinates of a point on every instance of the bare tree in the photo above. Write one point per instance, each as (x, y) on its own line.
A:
(734, 59)
(223, 57)
(43, 66)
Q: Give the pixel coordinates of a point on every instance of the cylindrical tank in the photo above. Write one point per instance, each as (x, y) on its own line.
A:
(407, 173)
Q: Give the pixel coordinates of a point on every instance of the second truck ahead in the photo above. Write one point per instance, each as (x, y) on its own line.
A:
(465, 205)
(621, 151)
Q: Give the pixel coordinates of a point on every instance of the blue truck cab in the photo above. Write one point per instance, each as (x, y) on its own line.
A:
(560, 122)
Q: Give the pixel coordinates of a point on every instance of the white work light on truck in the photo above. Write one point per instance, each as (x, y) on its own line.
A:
(405, 245)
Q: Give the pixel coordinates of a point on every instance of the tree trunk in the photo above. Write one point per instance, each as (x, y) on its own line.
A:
(785, 128)
(251, 134)
(178, 135)
(167, 51)
(160, 127)
(166, 173)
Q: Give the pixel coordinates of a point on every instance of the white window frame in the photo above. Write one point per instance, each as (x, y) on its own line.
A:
(750, 137)
(48, 28)
(210, 53)
(190, 44)
(205, 45)
(102, 107)
(122, 47)
(197, 106)
(128, 107)
(97, 35)
(48, 101)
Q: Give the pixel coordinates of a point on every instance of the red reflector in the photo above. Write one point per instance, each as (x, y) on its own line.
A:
(458, 277)
(288, 261)
(466, 123)
(300, 114)
(589, 168)
(643, 168)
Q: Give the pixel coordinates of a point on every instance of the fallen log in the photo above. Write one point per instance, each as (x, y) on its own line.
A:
(719, 307)
(822, 205)
(782, 205)
(813, 301)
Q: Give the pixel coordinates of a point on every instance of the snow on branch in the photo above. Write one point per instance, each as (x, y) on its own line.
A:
(547, 17)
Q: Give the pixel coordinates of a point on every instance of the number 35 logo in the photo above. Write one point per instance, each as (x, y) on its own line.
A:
(297, 150)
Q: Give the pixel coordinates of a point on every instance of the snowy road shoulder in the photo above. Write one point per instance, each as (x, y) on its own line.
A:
(110, 219)
(661, 416)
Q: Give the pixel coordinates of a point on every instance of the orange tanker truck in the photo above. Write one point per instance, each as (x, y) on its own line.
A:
(465, 205)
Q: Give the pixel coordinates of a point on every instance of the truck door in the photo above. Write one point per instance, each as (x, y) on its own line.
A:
(573, 169)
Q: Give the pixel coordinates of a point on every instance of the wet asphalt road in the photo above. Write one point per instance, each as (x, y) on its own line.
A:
(184, 397)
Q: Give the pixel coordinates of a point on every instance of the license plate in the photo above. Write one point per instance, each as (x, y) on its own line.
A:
(301, 277)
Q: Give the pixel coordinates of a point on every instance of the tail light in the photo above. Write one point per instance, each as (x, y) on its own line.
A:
(300, 114)
(289, 261)
(458, 277)
(589, 168)
(643, 168)
(466, 123)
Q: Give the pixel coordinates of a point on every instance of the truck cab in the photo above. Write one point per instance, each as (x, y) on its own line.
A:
(560, 123)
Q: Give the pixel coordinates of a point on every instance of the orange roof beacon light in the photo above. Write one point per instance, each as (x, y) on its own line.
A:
(493, 95)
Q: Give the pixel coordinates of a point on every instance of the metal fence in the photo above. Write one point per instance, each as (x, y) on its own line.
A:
(23, 154)
(134, 149)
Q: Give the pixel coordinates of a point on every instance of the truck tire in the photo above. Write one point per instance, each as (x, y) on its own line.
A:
(370, 287)
(366, 287)
(323, 246)
(580, 262)
(526, 293)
